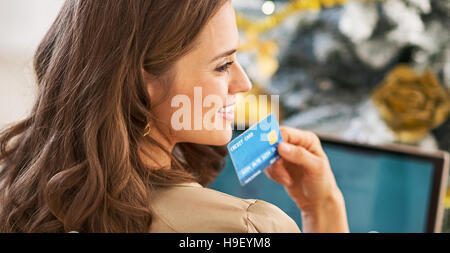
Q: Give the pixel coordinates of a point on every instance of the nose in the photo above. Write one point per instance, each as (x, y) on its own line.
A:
(239, 82)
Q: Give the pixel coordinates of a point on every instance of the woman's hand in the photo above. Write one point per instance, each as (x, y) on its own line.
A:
(305, 171)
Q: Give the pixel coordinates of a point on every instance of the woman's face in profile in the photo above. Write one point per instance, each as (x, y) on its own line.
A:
(200, 106)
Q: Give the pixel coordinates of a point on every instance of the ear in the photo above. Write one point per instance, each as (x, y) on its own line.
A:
(151, 83)
(154, 87)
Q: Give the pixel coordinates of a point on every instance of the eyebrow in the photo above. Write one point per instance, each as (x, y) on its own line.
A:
(227, 53)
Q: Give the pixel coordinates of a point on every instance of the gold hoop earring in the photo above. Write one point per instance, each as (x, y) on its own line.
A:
(147, 130)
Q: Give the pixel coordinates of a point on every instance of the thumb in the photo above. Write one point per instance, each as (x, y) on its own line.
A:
(298, 155)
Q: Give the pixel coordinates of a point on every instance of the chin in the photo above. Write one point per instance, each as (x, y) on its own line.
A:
(219, 138)
(221, 135)
(213, 138)
(205, 137)
(226, 137)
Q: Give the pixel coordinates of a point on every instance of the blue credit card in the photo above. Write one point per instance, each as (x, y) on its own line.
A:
(256, 149)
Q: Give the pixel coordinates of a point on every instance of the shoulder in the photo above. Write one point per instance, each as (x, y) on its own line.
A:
(265, 217)
(192, 208)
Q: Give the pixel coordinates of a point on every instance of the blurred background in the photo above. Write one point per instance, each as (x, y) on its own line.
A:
(366, 71)
(22, 25)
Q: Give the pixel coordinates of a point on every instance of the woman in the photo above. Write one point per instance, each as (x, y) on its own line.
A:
(98, 152)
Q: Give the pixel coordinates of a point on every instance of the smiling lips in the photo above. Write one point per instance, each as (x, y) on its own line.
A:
(227, 112)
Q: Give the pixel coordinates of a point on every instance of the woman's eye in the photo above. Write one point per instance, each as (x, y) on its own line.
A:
(224, 67)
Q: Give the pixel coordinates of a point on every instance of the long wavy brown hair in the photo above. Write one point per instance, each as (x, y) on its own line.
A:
(74, 163)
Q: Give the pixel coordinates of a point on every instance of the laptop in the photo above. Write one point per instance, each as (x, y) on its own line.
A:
(387, 189)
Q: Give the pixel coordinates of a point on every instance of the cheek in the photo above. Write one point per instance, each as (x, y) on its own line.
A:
(199, 91)
(217, 90)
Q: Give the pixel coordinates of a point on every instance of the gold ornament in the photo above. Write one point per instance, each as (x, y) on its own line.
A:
(412, 104)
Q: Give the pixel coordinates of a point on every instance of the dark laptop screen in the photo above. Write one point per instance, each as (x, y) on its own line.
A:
(383, 192)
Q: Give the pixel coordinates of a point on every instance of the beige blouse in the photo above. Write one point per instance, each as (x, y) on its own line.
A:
(191, 208)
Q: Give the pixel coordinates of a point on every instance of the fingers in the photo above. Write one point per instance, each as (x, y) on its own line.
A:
(298, 155)
(302, 148)
(305, 139)
(278, 173)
